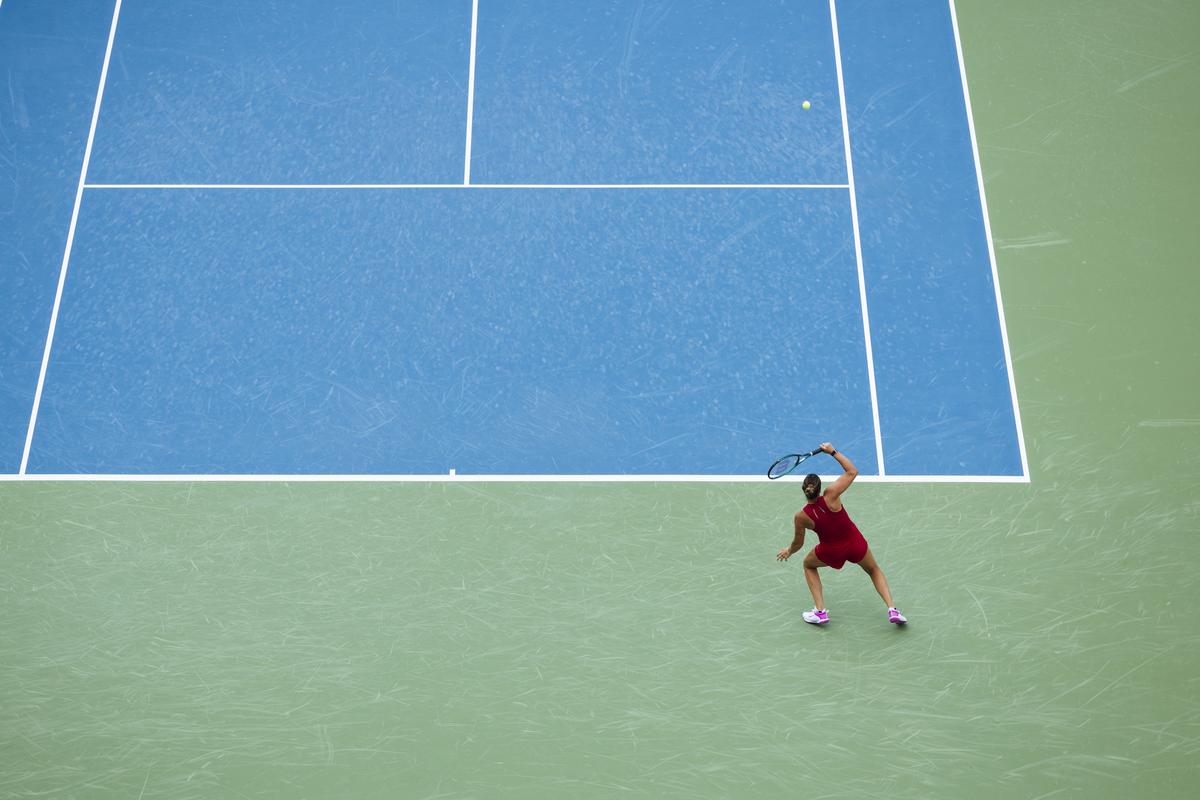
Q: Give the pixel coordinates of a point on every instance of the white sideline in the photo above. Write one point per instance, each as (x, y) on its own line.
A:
(862, 280)
(471, 93)
(62, 273)
(987, 227)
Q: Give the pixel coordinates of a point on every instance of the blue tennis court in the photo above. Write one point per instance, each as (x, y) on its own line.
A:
(492, 239)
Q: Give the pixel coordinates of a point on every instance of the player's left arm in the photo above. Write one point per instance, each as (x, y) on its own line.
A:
(801, 523)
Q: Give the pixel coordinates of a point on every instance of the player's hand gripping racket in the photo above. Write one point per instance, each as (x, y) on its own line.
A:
(788, 463)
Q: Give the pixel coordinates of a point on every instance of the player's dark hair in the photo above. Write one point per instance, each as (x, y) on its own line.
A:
(811, 486)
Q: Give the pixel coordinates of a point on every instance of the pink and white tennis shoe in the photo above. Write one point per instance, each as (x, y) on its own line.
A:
(816, 617)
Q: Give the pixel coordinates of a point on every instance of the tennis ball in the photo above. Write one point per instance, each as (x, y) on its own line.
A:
(806, 105)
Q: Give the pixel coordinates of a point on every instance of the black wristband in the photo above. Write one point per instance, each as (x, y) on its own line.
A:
(833, 452)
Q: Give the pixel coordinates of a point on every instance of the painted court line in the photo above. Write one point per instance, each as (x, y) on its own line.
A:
(102, 186)
(987, 228)
(62, 273)
(448, 478)
(471, 93)
(862, 282)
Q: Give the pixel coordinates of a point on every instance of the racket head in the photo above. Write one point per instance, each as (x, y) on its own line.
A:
(785, 465)
(788, 463)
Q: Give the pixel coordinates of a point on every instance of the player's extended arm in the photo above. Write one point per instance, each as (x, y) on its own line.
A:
(801, 521)
(849, 473)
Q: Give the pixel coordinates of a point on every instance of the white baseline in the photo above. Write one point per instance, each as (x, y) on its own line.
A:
(260, 186)
(458, 478)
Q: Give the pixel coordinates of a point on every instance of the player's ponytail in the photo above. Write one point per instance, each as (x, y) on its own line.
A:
(812, 486)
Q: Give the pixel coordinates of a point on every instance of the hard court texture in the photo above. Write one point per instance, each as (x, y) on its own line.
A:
(457, 640)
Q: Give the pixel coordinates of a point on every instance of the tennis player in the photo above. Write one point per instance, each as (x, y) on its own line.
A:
(839, 540)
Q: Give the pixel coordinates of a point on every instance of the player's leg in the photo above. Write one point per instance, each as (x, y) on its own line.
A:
(818, 616)
(872, 568)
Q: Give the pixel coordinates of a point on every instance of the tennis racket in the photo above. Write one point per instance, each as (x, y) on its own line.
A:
(788, 463)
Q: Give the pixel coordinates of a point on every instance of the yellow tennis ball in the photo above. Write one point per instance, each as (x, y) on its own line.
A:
(806, 105)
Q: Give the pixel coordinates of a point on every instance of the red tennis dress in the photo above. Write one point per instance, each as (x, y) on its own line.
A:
(840, 538)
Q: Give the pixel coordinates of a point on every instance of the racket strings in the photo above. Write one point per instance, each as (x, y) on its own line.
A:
(783, 466)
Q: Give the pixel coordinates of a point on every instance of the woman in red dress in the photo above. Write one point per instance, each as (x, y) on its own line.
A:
(839, 540)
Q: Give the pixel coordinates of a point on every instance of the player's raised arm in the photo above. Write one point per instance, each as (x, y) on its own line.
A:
(849, 473)
(840, 540)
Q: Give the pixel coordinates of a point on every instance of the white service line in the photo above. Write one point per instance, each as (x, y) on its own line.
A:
(62, 273)
(987, 227)
(471, 93)
(862, 281)
(103, 186)
(448, 478)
